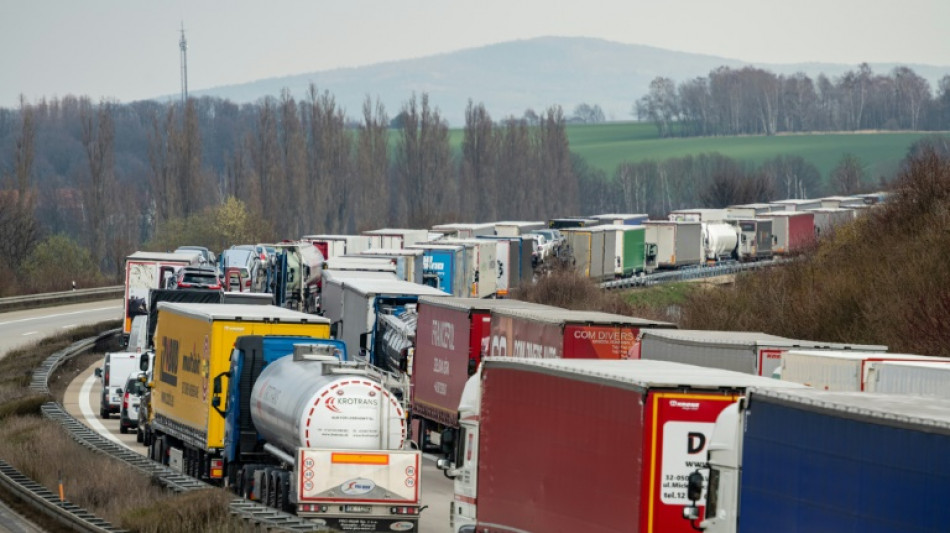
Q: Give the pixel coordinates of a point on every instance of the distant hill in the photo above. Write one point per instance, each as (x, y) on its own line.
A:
(513, 76)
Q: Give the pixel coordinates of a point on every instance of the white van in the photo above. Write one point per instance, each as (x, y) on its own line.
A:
(115, 369)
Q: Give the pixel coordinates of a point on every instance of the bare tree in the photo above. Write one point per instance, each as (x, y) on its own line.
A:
(19, 230)
(372, 165)
(98, 191)
(479, 151)
(423, 164)
(848, 176)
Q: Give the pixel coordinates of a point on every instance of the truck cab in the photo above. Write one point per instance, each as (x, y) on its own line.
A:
(722, 486)
(461, 462)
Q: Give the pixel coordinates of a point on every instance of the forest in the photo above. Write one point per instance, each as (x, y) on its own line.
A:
(107, 178)
(754, 101)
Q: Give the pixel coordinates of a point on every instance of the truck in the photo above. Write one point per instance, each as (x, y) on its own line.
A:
(755, 238)
(336, 245)
(374, 316)
(909, 377)
(294, 277)
(827, 219)
(583, 445)
(593, 250)
(409, 263)
(837, 370)
(395, 238)
(461, 230)
(794, 231)
(629, 219)
(149, 270)
(193, 345)
(572, 222)
(452, 335)
(562, 333)
(309, 432)
(792, 460)
(750, 352)
(511, 228)
(795, 204)
(630, 249)
(720, 241)
(748, 210)
(513, 262)
(482, 265)
(678, 244)
(445, 268)
(697, 215)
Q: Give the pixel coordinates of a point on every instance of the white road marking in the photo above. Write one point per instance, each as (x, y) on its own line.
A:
(58, 315)
(29, 333)
(90, 415)
(67, 327)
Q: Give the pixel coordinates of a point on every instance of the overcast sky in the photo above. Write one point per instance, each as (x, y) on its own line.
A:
(128, 50)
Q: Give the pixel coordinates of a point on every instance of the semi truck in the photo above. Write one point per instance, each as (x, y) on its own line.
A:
(511, 228)
(583, 445)
(561, 333)
(909, 377)
(452, 335)
(445, 268)
(751, 352)
(192, 358)
(794, 231)
(593, 250)
(482, 265)
(309, 432)
(837, 370)
(409, 263)
(149, 270)
(373, 316)
(678, 244)
(630, 249)
(390, 238)
(337, 245)
(755, 238)
(513, 263)
(808, 460)
(295, 275)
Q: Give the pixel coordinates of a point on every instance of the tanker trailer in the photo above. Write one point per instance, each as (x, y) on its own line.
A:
(329, 442)
(720, 241)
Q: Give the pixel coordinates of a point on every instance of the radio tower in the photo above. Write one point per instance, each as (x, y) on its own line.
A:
(183, 44)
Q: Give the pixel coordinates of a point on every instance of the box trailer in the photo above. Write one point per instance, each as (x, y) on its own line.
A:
(795, 204)
(835, 202)
(751, 352)
(193, 345)
(755, 238)
(336, 245)
(409, 263)
(592, 249)
(482, 266)
(145, 271)
(513, 269)
(629, 249)
(562, 333)
(572, 222)
(836, 370)
(395, 238)
(452, 335)
(510, 228)
(678, 244)
(632, 219)
(826, 219)
(697, 215)
(445, 267)
(794, 231)
(748, 210)
(808, 460)
(461, 230)
(581, 445)
(909, 377)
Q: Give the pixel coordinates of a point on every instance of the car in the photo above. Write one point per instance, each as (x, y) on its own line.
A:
(247, 262)
(131, 398)
(197, 278)
(207, 256)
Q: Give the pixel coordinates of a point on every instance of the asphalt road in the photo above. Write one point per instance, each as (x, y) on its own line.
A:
(20, 328)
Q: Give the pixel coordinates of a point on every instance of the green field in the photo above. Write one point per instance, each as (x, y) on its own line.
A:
(605, 146)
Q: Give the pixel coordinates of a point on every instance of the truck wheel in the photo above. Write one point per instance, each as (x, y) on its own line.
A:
(138, 435)
(103, 413)
(123, 429)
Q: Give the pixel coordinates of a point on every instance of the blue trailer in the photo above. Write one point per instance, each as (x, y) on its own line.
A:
(829, 461)
(444, 268)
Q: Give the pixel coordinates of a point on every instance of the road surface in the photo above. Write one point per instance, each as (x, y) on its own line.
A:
(20, 328)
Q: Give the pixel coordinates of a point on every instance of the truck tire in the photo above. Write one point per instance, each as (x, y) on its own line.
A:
(123, 429)
(104, 413)
(139, 437)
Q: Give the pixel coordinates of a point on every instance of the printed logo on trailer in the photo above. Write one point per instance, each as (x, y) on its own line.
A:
(402, 526)
(355, 487)
(688, 406)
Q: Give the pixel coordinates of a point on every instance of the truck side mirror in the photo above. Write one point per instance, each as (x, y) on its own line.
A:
(143, 362)
(694, 486)
(98, 372)
(447, 444)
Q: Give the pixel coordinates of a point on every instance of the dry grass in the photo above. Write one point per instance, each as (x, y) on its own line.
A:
(883, 280)
(41, 450)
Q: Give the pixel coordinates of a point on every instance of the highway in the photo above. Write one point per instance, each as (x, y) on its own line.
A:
(21, 328)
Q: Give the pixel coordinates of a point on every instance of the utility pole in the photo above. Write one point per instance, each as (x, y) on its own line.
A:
(183, 45)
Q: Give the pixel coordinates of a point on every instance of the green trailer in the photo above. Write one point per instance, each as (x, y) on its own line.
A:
(629, 249)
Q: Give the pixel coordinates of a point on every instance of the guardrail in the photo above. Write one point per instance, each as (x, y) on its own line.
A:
(31, 301)
(686, 274)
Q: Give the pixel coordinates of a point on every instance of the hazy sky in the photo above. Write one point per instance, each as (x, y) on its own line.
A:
(128, 50)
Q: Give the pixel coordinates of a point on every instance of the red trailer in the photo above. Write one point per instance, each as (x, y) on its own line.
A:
(451, 335)
(593, 446)
(793, 231)
(560, 333)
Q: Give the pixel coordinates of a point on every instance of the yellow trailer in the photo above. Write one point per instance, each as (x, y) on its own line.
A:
(193, 344)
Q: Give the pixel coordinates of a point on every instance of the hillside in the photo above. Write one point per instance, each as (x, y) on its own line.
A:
(513, 76)
(605, 146)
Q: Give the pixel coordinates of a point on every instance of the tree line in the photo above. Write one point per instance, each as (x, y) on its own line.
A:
(754, 101)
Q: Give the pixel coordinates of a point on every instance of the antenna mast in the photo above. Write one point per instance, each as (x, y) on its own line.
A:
(183, 45)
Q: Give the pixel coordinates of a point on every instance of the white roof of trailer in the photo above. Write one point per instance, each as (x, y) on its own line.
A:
(372, 285)
(941, 366)
(481, 304)
(520, 223)
(642, 373)
(888, 409)
(753, 338)
(244, 312)
(860, 355)
(394, 231)
(391, 251)
(621, 227)
(619, 215)
(163, 256)
(671, 222)
(567, 316)
(333, 237)
(785, 214)
(342, 275)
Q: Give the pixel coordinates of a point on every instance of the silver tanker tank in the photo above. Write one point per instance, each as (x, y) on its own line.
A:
(306, 401)
(719, 240)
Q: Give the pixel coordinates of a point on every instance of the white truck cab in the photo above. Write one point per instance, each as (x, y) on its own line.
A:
(722, 487)
(462, 464)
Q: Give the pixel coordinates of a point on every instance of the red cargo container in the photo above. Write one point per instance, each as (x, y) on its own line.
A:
(546, 334)
(794, 231)
(575, 445)
(450, 333)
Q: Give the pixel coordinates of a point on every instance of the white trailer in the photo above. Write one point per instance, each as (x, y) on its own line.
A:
(481, 254)
(678, 244)
(461, 230)
(409, 262)
(751, 352)
(748, 210)
(697, 215)
(909, 377)
(336, 245)
(517, 228)
(395, 238)
(838, 370)
(796, 204)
